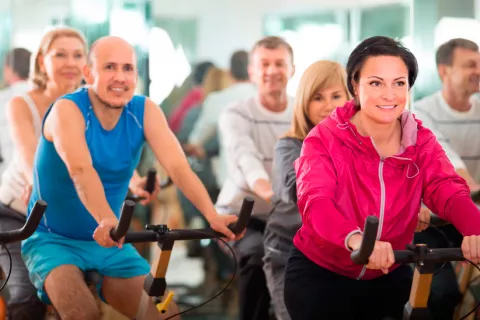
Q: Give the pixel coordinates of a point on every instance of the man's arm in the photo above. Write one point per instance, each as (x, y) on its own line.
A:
(65, 127)
(171, 156)
(241, 150)
(453, 156)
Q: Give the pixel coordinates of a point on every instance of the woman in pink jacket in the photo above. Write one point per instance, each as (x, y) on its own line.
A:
(370, 157)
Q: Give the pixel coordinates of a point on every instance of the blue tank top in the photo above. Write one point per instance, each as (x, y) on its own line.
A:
(115, 154)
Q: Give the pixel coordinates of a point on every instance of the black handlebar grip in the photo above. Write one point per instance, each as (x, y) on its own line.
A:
(33, 219)
(244, 216)
(151, 180)
(124, 221)
(361, 255)
(166, 183)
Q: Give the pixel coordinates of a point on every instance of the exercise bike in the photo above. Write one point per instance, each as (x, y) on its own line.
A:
(18, 235)
(155, 283)
(424, 259)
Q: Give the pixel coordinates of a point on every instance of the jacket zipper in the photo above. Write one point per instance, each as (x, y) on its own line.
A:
(382, 208)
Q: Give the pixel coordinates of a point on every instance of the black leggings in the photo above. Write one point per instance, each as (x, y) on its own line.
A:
(313, 292)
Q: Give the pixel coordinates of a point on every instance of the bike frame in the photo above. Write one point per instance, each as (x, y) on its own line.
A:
(424, 258)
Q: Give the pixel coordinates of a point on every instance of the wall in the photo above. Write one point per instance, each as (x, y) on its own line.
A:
(225, 26)
(5, 5)
(31, 18)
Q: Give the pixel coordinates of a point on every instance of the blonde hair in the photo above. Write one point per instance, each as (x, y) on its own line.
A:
(37, 77)
(318, 76)
(216, 79)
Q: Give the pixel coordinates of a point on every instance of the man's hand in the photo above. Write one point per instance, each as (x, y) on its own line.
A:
(137, 187)
(102, 233)
(263, 189)
(423, 219)
(220, 223)
(194, 151)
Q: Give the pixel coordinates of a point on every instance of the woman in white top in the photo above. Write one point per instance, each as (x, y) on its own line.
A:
(56, 69)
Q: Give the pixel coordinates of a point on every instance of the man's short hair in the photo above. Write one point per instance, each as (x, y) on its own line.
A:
(19, 60)
(239, 65)
(444, 53)
(273, 42)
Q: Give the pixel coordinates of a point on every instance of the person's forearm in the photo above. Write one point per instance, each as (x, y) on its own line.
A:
(466, 175)
(463, 214)
(191, 186)
(28, 169)
(27, 159)
(90, 191)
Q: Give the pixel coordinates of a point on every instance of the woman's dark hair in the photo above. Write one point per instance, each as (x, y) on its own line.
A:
(200, 71)
(379, 46)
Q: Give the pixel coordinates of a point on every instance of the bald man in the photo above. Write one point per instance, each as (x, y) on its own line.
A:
(91, 143)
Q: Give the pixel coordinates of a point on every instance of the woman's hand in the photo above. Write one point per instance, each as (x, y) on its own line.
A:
(423, 219)
(471, 248)
(382, 257)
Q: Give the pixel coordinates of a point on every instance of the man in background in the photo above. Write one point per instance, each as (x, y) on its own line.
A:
(248, 131)
(453, 115)
(16, 68)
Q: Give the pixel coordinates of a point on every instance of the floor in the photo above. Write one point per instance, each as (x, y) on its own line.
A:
(190, 272)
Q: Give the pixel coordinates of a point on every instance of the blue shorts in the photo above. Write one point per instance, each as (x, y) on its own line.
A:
(44, 251)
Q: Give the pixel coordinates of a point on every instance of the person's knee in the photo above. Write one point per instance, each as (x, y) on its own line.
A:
(80, 311)
(69, 294)
(82, 307)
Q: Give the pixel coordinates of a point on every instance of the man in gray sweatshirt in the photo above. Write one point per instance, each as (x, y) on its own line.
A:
(248, 133)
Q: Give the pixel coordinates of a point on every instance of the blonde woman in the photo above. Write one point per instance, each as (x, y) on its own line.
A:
(56, 69)
(322, 88)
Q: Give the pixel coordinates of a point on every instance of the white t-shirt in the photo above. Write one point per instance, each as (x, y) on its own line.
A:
(6, 144)
(457, 132)
(13, 179)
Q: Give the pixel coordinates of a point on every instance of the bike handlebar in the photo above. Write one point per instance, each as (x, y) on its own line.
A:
(151, 179)
(155, 236)
(28, 228)
(361, 255)
(150, 184)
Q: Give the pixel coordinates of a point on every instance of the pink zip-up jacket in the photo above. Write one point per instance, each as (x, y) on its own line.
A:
(341, 179)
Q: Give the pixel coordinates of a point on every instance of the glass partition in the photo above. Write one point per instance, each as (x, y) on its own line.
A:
(5, 33)
(313, 37)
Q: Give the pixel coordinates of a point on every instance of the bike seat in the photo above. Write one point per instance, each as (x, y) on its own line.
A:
(92, 277)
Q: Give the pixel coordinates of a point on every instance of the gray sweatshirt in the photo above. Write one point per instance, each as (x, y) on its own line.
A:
(248, 133)
(284, 219)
